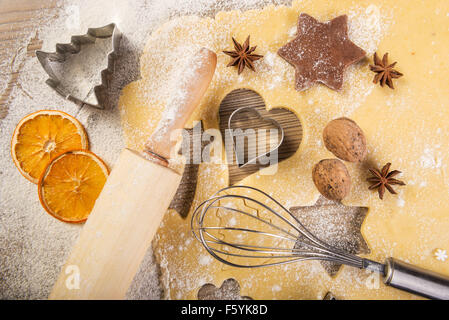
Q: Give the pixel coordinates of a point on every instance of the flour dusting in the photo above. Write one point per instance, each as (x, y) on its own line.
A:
(35, 245)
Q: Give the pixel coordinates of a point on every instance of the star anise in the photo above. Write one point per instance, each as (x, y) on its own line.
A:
(385, 72)
(384, 180)
(243, 55)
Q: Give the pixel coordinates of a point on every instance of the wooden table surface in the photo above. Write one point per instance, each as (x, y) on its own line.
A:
(18, 20)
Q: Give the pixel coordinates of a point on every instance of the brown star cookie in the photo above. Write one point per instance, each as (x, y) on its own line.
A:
(321, 52)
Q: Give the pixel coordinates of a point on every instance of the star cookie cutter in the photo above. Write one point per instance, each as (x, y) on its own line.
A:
(51, 61)
(241, 162)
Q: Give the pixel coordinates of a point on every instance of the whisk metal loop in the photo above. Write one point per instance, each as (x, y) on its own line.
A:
(305, 245)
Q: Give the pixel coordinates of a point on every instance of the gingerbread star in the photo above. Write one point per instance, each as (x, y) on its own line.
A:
(321, 52)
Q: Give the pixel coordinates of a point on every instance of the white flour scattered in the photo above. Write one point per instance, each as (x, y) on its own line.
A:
(400, 202)
(33, 245)
(276, 288)
(176, 92)
(429, 160)
(205, 260)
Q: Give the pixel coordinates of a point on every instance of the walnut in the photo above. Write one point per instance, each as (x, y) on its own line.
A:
(344, 138)
(332, 179)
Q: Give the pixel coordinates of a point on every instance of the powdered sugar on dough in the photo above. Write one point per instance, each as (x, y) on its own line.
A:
(402, 227)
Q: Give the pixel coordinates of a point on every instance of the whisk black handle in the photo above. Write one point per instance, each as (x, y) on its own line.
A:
(413, 279)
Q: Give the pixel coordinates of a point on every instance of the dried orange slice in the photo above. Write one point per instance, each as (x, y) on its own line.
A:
(42, 135)
(71, 183)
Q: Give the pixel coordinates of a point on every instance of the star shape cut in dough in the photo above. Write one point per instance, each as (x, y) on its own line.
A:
(335, 224)
(321, 52)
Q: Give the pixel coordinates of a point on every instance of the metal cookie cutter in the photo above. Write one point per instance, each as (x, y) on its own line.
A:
(234, 114)
(54, 63)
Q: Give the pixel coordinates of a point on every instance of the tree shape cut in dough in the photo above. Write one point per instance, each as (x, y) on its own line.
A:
(186, 190)
(335, 224)
(229, 290)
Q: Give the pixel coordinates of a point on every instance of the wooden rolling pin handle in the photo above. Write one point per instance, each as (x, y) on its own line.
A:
(155, 158)
(129, 210)
(195, 83)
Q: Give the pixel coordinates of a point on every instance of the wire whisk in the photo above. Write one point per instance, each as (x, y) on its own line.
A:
(245, 227)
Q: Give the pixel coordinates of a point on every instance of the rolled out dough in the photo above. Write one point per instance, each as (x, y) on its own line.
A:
(406, 126)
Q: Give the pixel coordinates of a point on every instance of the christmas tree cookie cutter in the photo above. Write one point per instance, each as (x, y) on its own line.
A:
(54, 63)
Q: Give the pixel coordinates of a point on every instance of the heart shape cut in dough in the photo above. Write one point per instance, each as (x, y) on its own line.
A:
(253, 120)
(251, 114)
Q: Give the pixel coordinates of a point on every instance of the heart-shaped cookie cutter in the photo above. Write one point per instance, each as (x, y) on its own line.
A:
(232, 117)
(96, 96)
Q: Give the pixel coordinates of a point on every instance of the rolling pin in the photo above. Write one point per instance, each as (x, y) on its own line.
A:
(131, 206)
